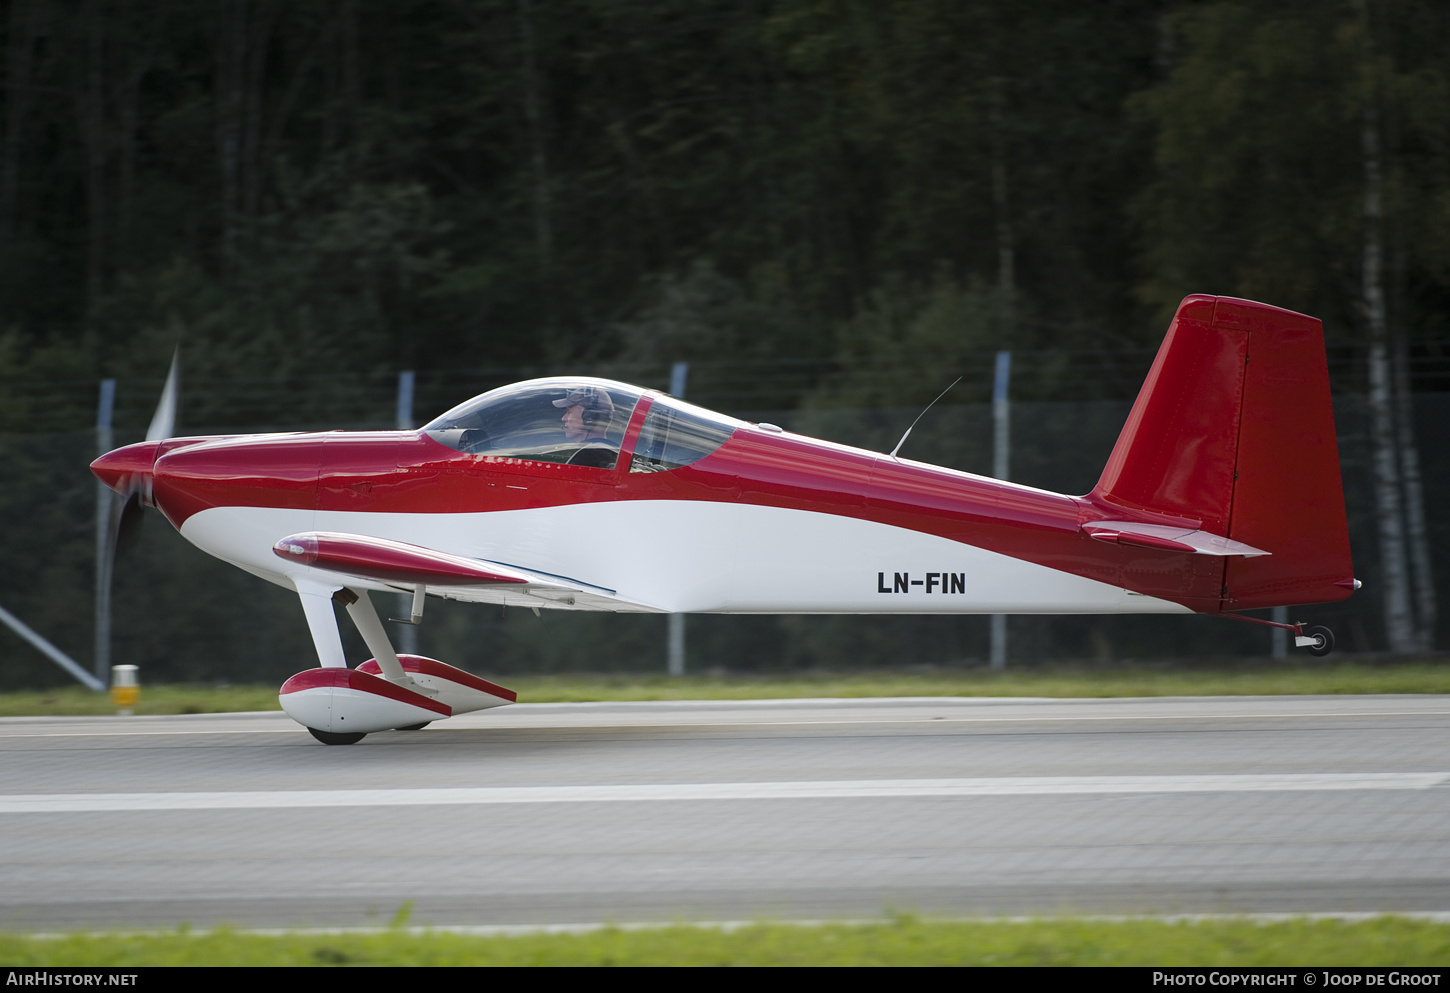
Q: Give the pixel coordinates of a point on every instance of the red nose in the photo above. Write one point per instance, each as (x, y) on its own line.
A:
(120, 469)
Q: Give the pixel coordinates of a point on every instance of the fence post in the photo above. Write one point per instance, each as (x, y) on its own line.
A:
(105, 560)
(679, 373)
(1001, 432)
(1279, 638)
(407, 633)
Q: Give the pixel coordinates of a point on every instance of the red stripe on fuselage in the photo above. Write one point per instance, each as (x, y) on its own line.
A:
(408, 472)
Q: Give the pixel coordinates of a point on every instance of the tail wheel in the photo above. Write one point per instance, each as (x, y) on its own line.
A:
(333, 738)
(1323, 640)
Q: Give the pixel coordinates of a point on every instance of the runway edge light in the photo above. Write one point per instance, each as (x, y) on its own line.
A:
(125, 688)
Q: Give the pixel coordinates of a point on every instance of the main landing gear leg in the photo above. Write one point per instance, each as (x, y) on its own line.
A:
(360, 609)
(340, 706)
(322, 622)
(377, 641)
(371, 628)
(317, 601)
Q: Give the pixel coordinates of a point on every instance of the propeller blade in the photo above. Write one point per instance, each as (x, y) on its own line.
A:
(123, 525)
(128, 524)
(127, 517)
(163, 424)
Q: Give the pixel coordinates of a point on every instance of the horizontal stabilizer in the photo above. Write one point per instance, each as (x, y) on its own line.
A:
(1168, 538)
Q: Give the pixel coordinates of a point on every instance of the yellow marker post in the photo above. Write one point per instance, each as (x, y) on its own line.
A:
(125, 688)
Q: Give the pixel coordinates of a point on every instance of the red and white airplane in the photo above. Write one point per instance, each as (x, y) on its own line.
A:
(1222, 494)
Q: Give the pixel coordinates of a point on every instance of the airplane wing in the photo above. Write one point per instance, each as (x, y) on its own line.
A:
(397, 563)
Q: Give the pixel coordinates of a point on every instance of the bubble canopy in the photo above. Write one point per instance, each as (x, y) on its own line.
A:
(581, 421)
(576, 420)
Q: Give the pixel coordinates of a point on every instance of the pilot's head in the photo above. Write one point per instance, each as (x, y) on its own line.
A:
(587, 413)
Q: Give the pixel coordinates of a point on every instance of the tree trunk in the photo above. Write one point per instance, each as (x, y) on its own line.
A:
(254, 116)
(1399, 622)
(1416, 533)
(91, 116)
(26, 23)
(228, 99)
(1006, 248)
(538, 160)
(142, 34)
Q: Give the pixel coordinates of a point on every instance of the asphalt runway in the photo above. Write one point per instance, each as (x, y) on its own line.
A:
(579, 813)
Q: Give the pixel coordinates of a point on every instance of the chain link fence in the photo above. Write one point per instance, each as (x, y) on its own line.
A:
(183, 616)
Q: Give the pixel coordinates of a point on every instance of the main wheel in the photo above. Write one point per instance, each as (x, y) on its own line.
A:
(414, 727)
(1323, 640)
(333, 738)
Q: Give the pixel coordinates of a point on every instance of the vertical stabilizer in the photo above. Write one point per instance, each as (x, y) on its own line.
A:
(1233, 433)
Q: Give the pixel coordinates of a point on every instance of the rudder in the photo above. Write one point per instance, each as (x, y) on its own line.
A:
(1233, 432)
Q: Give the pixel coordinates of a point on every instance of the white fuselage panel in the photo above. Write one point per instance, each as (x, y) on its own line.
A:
(692, 556)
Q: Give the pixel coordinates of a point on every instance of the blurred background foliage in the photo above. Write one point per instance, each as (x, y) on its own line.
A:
(364, 186)
(828, 207)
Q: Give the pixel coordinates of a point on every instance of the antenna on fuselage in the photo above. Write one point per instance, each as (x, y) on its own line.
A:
(923, 414)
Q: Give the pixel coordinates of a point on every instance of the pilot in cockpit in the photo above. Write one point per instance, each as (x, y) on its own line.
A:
(587, 413)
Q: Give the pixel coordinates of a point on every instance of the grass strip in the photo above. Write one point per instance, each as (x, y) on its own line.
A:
(905, 940)
(1144, 680)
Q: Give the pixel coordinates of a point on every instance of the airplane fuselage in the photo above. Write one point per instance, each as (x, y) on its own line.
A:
(769, 523)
